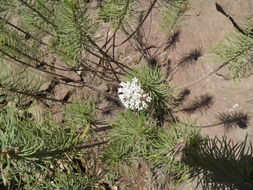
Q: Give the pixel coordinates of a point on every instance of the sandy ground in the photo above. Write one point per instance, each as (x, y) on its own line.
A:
(202, 28)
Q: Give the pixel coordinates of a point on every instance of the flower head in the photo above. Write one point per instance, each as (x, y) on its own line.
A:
(133, 96)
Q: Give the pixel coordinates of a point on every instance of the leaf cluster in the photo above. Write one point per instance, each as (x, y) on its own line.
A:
(152, 82)
(19, 86)
(238, 51)
(68, 181)
(66, 24)
(114, 11)
(28, 146)
(173, 12)
(136, 136)
(168, 152)
(36, 16)
(74, 28)
(81, 114)
(15, 46)
(131, 137)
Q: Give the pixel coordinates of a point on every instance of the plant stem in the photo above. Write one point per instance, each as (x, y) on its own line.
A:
(141, 23)
(27, 34)
(215, 70)
(42, 70)
(37, 96)
(38, 13)
(205, 76)
(37, 60)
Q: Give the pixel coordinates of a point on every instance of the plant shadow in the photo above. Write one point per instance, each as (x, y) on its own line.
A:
(219, 163)
(200, 103)
(182, 96)
(190, 58)
(233, 120)
(172, 40)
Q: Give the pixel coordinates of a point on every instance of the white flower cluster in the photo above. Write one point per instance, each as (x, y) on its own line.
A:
(133, 96)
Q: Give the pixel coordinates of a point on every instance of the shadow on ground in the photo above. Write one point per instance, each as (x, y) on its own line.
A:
(219, 163)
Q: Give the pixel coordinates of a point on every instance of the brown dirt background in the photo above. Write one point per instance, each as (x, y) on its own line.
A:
(203, 27)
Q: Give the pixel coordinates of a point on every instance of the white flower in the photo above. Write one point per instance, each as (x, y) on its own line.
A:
(133, 96)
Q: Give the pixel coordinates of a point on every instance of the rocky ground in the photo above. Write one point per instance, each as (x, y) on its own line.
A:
(202, 28)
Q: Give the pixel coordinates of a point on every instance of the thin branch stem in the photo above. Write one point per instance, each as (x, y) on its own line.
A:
(139, 26)
(24, 32)
(42, 70)
(37, 60)
(205, 76)
(118, 26)
(43, 5)
(37, 96)
(99, 65)
(213, 71)
(38, 13)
